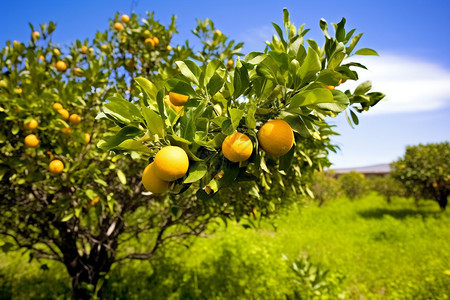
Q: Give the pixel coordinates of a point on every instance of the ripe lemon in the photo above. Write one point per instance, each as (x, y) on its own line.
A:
(152, 182)
(42, 57)
(178, 99)
(118, 26)
(33, 124)
(56, 166)
(84, 49)
(61, 66)
(36, 35)
(176, 108)
(66, 130)
(230, 63)
(31, 141)
(125, 18)
(237, 147)
(171, 163)
(56, 52)
(75, 119)
(156, 40)
(19, 91)
(87, 137)
(276, 137)
(149, 42)
(64, 113)
(169, 48)
(57, 106)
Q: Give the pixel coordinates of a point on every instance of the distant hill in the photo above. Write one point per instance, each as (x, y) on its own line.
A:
(380, 169)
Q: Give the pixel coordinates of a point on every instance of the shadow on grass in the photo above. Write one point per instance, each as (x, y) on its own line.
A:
(402, 213)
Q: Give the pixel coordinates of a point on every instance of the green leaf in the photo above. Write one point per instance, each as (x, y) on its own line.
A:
(308, 97)
(269, 69)
(196, 172)
(354, 117)
(353, 43)
(190, 70)
(250, 121)
(286, 160)
(147, 86)
(286, 18)
(215, 84)
(254, 58)
(324, 28)
(241, 81)
(133, 145)
(236, 116)
(341, 102)
(366, 51)
(187, 126)
(310, 66)
(329, 77)
(340, 30)
(363, 88)
(122, 177)
(210, 71)
(67, 217)
(227, 127)
(178, 86)
(128, 132)
(121, 109)
(15, 129)
(281, 59)
(280, 33)
(160, 102)
(154, 121)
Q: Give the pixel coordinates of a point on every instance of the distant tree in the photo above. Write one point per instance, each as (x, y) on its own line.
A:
(353, 184)
(387, 187)
(325, 187)
(425, 170)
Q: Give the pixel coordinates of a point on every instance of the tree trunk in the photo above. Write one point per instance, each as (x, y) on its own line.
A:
(443, 195)
(87, 271)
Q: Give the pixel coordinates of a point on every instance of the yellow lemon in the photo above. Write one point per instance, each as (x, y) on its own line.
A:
(237, 147)
(276, 137)
(152, 182)
(171, 162)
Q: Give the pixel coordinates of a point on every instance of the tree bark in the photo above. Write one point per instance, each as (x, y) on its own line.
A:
(443, 199)
(87, 271)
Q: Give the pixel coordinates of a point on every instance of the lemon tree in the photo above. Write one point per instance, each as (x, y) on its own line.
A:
(95, 151)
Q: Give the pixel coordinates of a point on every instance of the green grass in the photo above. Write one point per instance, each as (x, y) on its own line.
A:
(396, 251)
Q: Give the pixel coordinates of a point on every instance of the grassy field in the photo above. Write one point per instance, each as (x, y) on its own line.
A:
(372, 251)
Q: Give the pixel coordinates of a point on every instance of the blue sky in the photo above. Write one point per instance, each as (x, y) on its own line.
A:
(412, 38)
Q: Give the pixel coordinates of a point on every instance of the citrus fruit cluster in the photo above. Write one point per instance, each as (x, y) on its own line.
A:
(275, 137)
(56, 166)
(170, 163)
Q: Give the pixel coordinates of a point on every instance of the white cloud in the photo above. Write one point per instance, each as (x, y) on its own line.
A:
(410, 84)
